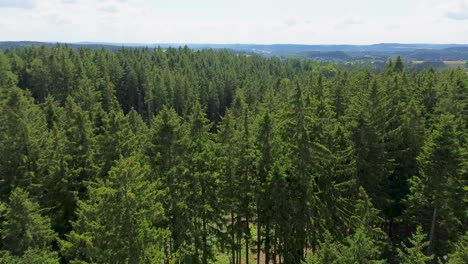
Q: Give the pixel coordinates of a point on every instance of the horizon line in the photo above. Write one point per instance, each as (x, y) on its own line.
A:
(232, 43)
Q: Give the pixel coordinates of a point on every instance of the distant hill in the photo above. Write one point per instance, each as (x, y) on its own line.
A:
(4, 45)
(375, 53)
(452, 53)
(326, 55)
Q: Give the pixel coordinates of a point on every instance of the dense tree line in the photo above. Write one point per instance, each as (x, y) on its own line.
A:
(181, 156)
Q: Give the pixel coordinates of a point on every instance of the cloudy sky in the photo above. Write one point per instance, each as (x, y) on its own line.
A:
(236, 21)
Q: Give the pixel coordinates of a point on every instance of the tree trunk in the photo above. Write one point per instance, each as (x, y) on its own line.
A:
(259, 230)
(431, 234)
(204, 235)
(306, 239)
(314, 235)
(267, 242)
(233, 241)
(275, 245)
(205, 251)
(247, 234)
(148, 108)
(239, 239)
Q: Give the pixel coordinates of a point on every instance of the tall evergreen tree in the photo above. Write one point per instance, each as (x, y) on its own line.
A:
(121, 221)
(24, 227)
(437, 191)
(22, 138)
(201, 178)
(415, 252)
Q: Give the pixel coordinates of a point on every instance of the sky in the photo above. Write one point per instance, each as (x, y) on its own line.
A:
(239, 21)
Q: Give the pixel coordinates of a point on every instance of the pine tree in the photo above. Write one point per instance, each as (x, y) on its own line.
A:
(7, 77)
(67, 162)
(63, 73)
(413, 252)
(398, 67)
(460, 254)
(24, 227)
(328, 251)
(30, 256)
(297, 149)
(335, 183)
(371, 161)
(227, 162)
(437, 191)
(165, 155)
(56, 190)
(406, 153)
(39, 79)
(22, 138)
(367, 218)
(263, 182)
(79, 146)
(117, 140)
(360, 248)
(201, 179)
(121, 221)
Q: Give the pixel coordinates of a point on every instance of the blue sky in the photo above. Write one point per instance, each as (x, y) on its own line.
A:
(241, 21)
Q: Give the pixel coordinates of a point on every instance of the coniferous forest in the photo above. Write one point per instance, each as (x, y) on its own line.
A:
(181, 156)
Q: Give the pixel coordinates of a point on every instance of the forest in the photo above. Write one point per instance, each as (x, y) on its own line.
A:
(175, 155)
(375, 56)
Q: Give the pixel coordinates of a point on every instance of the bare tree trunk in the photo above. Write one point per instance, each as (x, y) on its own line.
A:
(239, 240)
(259, 230)
(431, 234)
(247, 234)
(170, 247)
(204, 240)
(314, 229)
(275, 245)
(267, 242)
(233, 241)
(149, 114)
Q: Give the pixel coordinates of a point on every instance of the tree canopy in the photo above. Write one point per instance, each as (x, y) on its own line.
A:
(182, 156)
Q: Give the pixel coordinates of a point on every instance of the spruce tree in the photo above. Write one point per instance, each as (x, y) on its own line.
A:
(22, 138)
(413, 252)
(165, 154)
(434, 201)
(460, 253)
(24, 227)
(121, 220)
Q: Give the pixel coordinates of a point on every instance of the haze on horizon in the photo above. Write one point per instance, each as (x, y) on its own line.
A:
(241, 21)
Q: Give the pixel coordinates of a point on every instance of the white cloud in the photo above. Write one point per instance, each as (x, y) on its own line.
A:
(212, 21)
(348, 22)
(27, 4)
(457, 10)
(109, 9)
(353, 21)
(290, 22)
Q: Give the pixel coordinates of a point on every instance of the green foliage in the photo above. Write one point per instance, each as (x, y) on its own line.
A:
(360, 248)
(327, 252)
(436, 193)
(413, 252)
(357, 248)
(460, 254)
(30, 256)
(180, 156)
(121, 221)
(7, 77)
(25, 232)
(22, 138)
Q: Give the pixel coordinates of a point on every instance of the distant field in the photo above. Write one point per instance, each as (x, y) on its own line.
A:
(455, 63)
(448, 63)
